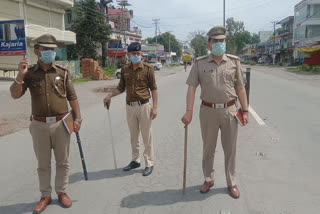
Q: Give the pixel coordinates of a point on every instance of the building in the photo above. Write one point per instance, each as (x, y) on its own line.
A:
(286, 40)
(122, 33)
(40, 17)
(306, 35)
(265, 35)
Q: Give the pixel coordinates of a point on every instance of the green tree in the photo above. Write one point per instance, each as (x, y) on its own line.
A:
(255, 38)
(90, 30)
(164, 39)
(199, 43)
(238, 37)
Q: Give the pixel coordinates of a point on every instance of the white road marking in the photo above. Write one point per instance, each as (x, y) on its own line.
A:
(256, 116)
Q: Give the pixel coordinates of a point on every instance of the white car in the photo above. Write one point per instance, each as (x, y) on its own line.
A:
(157, 65)
(118, 73)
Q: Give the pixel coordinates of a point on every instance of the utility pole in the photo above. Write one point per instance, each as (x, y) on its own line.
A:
(274, 41)
(156, 23)
(169, 33)
(224, 13)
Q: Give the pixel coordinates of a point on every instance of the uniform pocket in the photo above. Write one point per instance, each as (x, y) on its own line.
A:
(36, 87)
(59, 87)
(229, 77)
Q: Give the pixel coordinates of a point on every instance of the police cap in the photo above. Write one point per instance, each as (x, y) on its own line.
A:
(217, 32)
(134, 46)
(46, 40)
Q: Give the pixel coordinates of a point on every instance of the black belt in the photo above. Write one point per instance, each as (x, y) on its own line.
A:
(141, 102)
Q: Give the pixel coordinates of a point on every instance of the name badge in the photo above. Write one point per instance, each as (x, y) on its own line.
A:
(208, 71)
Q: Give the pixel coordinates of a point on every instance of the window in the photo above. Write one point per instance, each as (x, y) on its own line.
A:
(69, 17)
(300, 33)
(301, 14)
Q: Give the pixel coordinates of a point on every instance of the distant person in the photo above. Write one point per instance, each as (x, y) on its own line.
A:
(50, 87)
(138, 80)
(222, 83)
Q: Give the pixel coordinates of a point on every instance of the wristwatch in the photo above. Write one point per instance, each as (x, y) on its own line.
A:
(78, 120)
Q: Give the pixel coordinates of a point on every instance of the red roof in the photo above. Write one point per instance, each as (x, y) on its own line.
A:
(114, 12)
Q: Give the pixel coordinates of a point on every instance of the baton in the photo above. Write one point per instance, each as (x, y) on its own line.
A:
(185, 159)
(82, 158)
(112, 144)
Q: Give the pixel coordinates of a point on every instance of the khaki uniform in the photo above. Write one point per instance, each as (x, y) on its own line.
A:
(49, 93)
(218, 83)
(138, 85)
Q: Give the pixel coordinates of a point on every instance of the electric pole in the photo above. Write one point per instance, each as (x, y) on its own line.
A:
(224, 13)
(156, 23)
(103, 11)
(274, 41)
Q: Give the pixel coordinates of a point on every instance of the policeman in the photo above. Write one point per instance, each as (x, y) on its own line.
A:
(50, 87)
(221, 81)
(138, 79)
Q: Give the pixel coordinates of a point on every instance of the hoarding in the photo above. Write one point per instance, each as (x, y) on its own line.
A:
(12, 38)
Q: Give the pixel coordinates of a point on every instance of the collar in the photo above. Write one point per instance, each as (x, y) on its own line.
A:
(224, 58)
(139, 67)
(52, 68)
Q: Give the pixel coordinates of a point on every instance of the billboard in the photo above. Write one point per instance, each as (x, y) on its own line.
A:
(12, 38)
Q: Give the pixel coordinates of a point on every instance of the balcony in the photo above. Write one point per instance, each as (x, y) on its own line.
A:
(64, 3)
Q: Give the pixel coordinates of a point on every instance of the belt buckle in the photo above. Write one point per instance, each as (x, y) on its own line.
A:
(219, 105)
(51, 119)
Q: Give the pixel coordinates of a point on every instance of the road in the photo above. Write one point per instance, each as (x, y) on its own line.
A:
(276, 163)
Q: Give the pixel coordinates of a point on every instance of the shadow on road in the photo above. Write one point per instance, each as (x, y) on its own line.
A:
(168, 197)
(103, 174)
(25, 207)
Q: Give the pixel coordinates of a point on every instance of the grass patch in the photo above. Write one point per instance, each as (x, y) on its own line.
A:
(80, 79)
(109, 71)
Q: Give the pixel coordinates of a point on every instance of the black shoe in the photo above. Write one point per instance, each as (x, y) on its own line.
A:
(131, 165)
(147, 171)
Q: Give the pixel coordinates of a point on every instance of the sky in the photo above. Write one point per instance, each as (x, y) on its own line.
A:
(185, 16)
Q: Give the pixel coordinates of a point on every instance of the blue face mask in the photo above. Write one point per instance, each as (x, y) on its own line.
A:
(135, 60)
(218, 48)
(47, 57)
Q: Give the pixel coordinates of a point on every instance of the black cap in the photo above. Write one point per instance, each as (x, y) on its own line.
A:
(134, 46)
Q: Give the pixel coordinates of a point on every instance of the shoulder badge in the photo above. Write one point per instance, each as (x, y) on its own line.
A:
(201, 57)
(233, 56)
(61, 67)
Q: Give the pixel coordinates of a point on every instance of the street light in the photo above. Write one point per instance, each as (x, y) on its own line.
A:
(224, 13)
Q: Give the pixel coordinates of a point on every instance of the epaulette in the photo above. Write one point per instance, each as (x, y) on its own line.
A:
(233, 56)
(201, 57)
(147, 64)
(61, 67)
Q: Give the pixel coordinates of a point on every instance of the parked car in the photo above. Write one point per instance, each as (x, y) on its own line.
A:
(118, 73)
(157, 65)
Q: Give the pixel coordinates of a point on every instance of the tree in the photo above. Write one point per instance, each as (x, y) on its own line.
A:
(164, 39)
(234, 28)
(238, 37)
(255, 38)
(199, 43)
(90, 31)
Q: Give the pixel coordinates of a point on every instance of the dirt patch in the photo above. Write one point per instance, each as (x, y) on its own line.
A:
(104, 89)
(14, 123)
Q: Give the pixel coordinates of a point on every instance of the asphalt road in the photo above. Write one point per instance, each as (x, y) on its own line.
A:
(276, 163)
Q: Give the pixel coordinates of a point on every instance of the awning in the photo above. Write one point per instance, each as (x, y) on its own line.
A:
(310, 49)
(66, 37)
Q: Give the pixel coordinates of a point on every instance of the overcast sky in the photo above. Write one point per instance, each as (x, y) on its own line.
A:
(184, 16)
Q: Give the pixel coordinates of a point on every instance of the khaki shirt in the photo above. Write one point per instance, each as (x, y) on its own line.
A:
(49, 90)
(217, 82)
(137, 83)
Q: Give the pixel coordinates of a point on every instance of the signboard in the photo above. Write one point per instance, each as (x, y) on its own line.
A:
(12, 38)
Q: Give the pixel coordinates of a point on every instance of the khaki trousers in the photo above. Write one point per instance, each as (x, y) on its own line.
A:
(211, 120)
(48, 136)
(139, 120)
